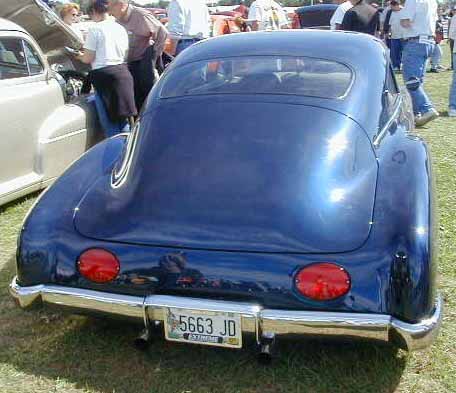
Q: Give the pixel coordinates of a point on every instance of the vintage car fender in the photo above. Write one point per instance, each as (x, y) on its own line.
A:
(404, 215)
(65, 134)
(36, 259)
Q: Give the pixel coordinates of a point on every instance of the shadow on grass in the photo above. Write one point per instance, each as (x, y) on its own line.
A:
(19, 201)
(98, 355)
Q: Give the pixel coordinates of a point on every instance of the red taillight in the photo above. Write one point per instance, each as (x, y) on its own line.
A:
(322, 281)
(98, 265)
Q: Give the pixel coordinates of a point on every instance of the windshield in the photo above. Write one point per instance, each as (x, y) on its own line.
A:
(259, 75)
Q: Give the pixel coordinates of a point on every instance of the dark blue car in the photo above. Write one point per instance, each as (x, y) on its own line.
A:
(273, 186)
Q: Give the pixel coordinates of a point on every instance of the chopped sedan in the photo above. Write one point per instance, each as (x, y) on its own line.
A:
(313, 16)
(272, 186)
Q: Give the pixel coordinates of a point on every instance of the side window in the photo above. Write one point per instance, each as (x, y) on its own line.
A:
(389, 96)
(33, 59)
(12, 59)
(390, 82)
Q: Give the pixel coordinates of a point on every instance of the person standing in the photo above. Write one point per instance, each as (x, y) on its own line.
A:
(267, 15)
(362, 18)
(450, 40)
(418, 20)
(385, 25)
(188, 22)
(383, 14)
(452, 103)
(70, 16)
(242, 9)
(147, 37)
(338, 16)
(396, 33)
(437, 53)
(105, 50)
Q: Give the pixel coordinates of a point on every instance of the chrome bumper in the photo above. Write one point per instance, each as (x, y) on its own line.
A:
(255, 319)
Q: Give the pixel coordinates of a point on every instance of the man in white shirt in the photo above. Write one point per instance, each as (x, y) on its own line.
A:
(396, 32)
(418, 20)
(338, 16)
(267, 15)
(188, 23)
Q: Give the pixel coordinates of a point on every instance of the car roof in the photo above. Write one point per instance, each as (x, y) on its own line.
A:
(316, 8)
(365, 55)
(11, 26)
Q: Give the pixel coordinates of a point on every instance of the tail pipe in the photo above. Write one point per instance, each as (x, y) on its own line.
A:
(267, 346)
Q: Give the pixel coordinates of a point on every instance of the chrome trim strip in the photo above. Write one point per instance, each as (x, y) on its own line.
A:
(254, 318)
(380, 135)
(373, 326)
(18, 11)
(46, 141)
(118, 177)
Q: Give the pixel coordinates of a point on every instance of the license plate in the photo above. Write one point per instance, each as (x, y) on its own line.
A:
(203, 327)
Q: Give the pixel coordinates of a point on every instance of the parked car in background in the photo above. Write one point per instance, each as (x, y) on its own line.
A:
(223, 24)
(159, 13)
(46, 124)
(233, 14)
(273, 186)
(313, 16)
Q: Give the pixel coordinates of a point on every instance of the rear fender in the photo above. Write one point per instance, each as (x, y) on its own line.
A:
(51, 217)
(404, 222)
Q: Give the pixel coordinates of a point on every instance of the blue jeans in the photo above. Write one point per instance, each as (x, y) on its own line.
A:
(414, 57)
(109, 128)
(452, 103)
(396, 53)
(184, 44)
(436, 56)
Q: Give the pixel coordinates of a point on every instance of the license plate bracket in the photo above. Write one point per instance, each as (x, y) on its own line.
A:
(214, 328)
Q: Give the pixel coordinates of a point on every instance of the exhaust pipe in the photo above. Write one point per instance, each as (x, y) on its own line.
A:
(267, 345)
(142, 342)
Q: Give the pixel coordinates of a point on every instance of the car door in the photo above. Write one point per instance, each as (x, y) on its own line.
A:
(27, 97)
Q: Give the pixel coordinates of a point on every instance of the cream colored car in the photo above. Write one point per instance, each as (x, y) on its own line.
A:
(44, 124)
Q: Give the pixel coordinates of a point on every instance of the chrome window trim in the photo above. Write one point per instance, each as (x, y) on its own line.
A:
(119, 176)
(25, 56)
(397, 110)
(33, 47)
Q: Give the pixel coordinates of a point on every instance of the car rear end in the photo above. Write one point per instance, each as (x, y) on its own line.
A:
(251, 211)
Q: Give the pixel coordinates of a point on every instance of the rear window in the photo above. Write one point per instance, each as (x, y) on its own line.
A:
(259, 75)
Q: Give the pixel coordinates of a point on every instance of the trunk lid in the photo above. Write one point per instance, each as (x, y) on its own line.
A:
(51, 33)
(299, 182)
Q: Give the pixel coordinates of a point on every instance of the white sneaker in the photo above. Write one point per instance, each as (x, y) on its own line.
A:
(451, 112)
(424, 118)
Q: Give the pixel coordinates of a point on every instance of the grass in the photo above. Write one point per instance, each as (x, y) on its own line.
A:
(46, 352)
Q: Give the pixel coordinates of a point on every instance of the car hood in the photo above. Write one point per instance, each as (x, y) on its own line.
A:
(43, 24)
(259, 177)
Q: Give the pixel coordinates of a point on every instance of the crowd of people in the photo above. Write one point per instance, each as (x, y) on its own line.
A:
(125, 46)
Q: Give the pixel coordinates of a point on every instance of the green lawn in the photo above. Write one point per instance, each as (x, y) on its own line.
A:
(45, 352)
